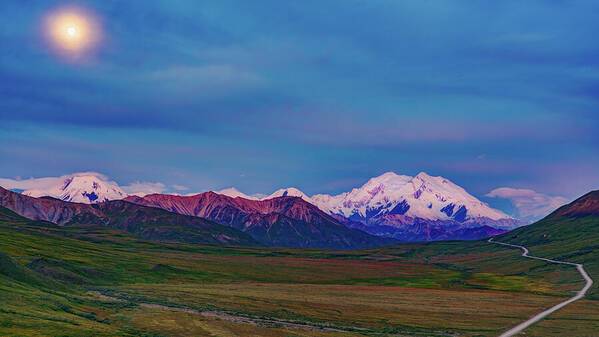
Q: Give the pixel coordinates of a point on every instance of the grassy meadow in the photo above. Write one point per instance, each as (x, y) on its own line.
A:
(92, 281)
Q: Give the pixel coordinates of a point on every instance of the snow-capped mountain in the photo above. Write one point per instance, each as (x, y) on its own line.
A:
(370, 199)
(234, 193)
(420, 208)
(399, 201)
(283, 192)
(82, 188)
(289, 192)
(422, 197)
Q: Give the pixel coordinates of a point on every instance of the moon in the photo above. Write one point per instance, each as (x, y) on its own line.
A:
(72, 32)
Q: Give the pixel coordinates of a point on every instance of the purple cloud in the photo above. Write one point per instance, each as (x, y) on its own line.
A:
(531, 205)
(144, 188)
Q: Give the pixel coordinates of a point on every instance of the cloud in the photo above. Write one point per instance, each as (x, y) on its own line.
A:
(180, 188)
(144, 188)
(530, 204)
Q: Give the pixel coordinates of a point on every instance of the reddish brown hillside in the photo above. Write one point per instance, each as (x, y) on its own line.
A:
(583, 206)
(142, 221)
(46, 209)
(282, 221)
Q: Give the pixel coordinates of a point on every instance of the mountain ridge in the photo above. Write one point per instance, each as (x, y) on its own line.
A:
(390, 204)
(420, 208)
(385, 193)
(144, 222)
(285, 220)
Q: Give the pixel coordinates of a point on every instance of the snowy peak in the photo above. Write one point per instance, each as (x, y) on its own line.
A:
(386, 182)
(283, 192)
(84, 188)
(377, 194)
(288, 192)
(389, 178)
(439, 194)
(423, 197)
(390, 194)
(234, 193)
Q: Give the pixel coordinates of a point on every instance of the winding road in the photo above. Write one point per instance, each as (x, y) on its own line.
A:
(536, 318)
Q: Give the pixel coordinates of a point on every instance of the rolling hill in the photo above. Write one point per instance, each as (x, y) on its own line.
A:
(571, 233)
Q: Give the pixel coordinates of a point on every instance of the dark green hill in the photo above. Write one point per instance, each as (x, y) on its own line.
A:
(12, 270)
(159, 225)
(571, 233)
(8, 215)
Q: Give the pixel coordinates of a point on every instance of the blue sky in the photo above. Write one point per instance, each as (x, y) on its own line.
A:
(320, 95)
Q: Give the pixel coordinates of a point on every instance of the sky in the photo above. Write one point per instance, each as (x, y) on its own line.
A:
(498, 96)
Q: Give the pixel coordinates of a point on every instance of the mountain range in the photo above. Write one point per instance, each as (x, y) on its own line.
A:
(204, 218)
(145, 222)
(280, 221)
(419, 208)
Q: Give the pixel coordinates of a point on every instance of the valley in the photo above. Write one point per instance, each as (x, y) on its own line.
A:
(222, 266)
(66, 279)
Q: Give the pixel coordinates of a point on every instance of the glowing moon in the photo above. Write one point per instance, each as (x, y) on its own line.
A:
(72, 31)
